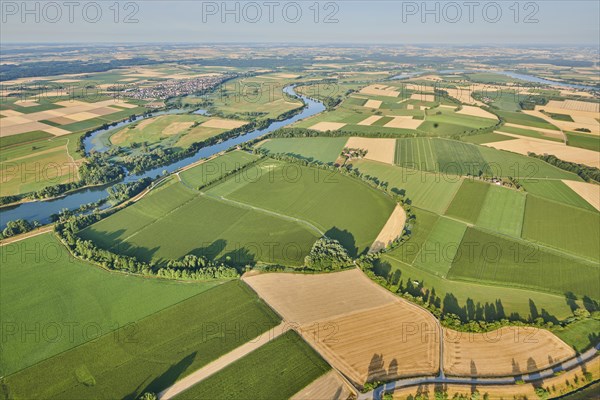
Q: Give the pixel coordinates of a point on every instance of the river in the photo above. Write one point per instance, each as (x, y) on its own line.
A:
(41, 211)
(515, 75)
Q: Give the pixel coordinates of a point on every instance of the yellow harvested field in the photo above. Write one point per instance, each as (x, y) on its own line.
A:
(26, 103)
(379, 90)
(373, 103)
(81, 116)
(14, 120)
(145, 123)
(327, 126)
(369, 120)
(575, 105)
(61, 120)
(503, 352)
(9, 130)
(410, 107)
(385, 343)
(74, 110)
(476, 112)
(287, 76)
(590, 192)
(419, 88)
(348, 318)
(422, 97)
(330, 386)
(303, 298)
(177, 127)
(10, 113)
(404, 122)
(391, 230)
(222, 123)
(100, 111)
(580, 119)
(66, 80)
(378, 149)
(524, 145)
(56, 131)
(123, 104)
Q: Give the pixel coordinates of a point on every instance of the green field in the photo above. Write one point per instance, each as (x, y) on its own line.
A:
(28, 167)
(469, 200)
(489, 258)
(527, 132)
(215, 168)
(428, 191)
(32, 136)
(556, 191)
(502, 211)
(490, 77)
(343, 208)
(583, 140)
(167, 130)
(49, 293)
(461, 298)
(439, 155)
(152, 354)
(561, 226)
(401, 265)
(445, 122)
(525, 119)
(505, 163)
(580, 334)
(486, 138)
(440, 248)
(254, 96)
(277, 370)
(506, 100)
(176, 221)
(324, 149)
(452, 157)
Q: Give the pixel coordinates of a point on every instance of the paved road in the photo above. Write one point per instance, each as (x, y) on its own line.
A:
(547, 373)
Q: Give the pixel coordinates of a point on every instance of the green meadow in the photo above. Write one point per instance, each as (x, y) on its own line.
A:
(324, 149)
(343, 208)
(65, 302)
(567, 228)
(277, 370)
(154, 352)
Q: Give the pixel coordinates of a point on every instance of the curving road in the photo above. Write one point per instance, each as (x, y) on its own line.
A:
(377, 393)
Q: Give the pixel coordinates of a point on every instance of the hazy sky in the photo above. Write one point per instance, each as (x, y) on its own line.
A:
(346, 21)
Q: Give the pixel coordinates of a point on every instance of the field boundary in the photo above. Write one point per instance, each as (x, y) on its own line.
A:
(223, 362)
(263, 210)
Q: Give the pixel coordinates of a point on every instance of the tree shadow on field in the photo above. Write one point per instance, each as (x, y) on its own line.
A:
(377, 371)
(102, 238)
(345, 238)
(145, 254)
(590, 304)
(571, 299)
(239, 258)
(211, 251)
(166, 379)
